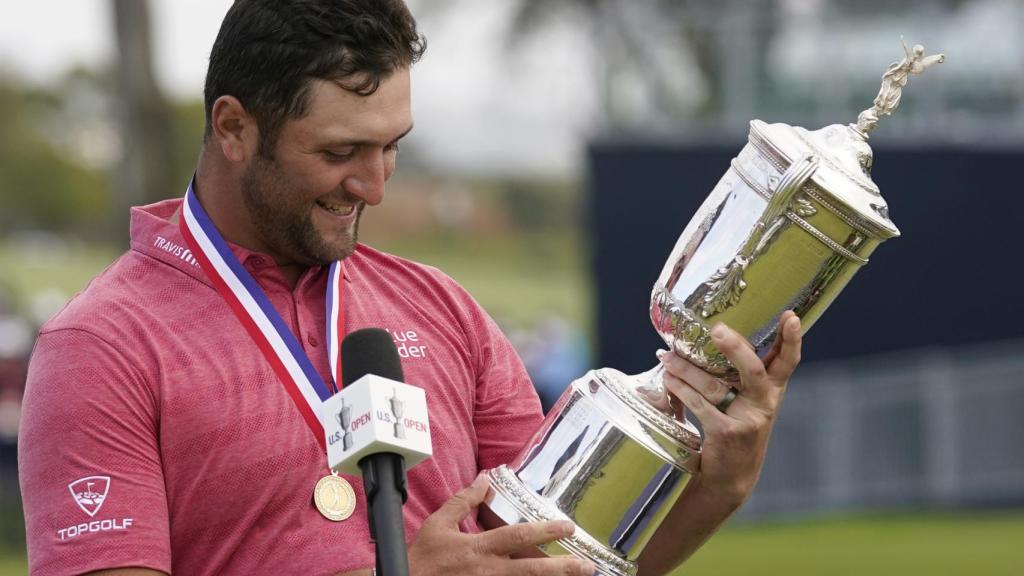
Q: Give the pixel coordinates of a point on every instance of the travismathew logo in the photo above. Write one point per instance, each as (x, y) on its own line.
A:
(175, 250)
(90, 493)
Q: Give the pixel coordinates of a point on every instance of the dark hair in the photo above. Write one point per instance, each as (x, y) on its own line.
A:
(267, 51)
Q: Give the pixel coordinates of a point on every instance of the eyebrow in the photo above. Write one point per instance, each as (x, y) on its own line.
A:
(344, 142)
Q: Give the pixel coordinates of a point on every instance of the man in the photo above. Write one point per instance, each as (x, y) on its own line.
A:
(191, 450)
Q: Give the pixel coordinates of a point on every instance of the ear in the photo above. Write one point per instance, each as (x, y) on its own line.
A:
(234, 129)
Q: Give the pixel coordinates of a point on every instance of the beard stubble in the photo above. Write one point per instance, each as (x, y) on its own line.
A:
(284, 220)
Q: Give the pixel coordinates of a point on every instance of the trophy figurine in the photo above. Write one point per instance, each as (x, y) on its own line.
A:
(398, 410)
(786, 228)
(344, 417)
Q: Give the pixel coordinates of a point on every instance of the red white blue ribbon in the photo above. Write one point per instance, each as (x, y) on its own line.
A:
(259, 317)
(335, 322)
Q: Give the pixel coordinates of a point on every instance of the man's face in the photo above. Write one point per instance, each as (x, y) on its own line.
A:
(305, 202)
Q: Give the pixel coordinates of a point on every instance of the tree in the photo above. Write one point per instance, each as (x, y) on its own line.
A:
(146, 171)
(646, 41)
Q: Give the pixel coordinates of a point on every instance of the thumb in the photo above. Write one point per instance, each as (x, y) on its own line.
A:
(459, 506)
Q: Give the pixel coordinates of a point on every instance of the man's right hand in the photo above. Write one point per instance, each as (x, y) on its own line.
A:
(441, 549)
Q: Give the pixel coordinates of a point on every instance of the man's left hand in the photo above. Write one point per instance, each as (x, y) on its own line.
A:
(736, 437)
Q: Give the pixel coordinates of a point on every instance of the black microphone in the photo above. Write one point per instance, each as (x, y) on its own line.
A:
(371, 351)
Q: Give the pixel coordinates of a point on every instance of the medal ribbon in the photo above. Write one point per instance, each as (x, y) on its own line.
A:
(259, 317)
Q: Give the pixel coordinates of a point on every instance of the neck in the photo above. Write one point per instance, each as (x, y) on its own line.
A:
(219, 191)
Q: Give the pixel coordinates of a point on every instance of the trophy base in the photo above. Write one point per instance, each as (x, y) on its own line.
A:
(508, 503)
(603, 459)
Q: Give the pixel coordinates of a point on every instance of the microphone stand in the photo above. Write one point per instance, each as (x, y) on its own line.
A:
(384, 482)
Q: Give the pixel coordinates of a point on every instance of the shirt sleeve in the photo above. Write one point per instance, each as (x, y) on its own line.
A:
(89, 461)
(507, 411)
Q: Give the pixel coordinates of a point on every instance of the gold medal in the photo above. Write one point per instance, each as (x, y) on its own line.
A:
(334, 498)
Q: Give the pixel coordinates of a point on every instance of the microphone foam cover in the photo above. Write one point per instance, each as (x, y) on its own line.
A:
(369, 351)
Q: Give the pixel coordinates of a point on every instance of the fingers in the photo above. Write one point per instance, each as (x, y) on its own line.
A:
(777, 343)
(757, 377)
(712, 388)
(458, 507)
(441, 547)
(752, 370)
(708, 414)
(789, 342)
(738, 351)
(515, 538)
(555, 566)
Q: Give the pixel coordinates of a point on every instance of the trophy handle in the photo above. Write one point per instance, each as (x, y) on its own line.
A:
(724, 287)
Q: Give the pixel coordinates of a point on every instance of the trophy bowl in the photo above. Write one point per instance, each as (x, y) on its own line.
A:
(791, 221)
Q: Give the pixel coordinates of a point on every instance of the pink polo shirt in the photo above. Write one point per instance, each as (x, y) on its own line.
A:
(155, 434)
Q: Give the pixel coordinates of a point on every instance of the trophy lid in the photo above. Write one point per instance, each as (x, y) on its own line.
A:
(844, 171)
(843, 168)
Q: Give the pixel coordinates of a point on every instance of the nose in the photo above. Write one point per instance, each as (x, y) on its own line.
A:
(367, 181)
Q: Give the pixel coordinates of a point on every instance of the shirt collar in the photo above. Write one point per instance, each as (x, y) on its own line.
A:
(154, 232)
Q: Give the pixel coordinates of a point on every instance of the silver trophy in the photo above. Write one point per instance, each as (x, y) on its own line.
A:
(786, 228)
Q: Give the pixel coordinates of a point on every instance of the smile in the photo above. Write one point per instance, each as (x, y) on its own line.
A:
(337, 209)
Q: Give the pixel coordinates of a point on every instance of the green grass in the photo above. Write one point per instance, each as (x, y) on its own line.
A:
(974, 544)
(13, 563)
(29, 271)
(518, 280)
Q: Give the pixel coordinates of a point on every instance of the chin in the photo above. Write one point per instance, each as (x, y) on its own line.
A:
(336, 251)
(345, 253)
(321, 247)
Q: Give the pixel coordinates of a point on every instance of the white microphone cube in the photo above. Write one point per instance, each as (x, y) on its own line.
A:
(374, 415)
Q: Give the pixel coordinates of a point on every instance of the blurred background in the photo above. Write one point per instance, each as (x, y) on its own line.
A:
(560, 148)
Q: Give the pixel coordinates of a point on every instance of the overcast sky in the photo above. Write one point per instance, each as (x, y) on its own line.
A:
(475, 109)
